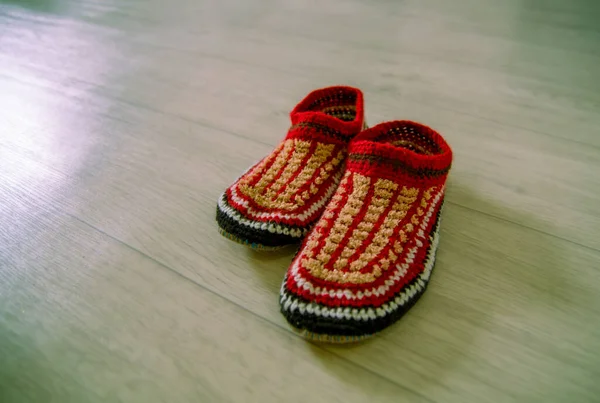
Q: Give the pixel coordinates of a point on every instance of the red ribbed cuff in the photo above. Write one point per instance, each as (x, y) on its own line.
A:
(403, 148)
(309, 112)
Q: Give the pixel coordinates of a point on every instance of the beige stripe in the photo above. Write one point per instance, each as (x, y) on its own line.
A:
(403, 203)
(382, 195)
(328, 170)
(323, 223)
(340, 228)
(319, 157)
(325, 172)
(269, 176)
(398, 246)
(301, 150)
(258, 169)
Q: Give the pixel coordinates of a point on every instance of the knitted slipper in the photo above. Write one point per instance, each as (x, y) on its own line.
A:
(369, 257)
(276, 201)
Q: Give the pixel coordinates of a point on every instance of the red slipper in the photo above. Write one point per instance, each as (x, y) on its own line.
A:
(369, 257)
(277, 201)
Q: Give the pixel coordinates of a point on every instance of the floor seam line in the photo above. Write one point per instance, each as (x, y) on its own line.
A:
(254, 314)
(506, 220)
(447, 201)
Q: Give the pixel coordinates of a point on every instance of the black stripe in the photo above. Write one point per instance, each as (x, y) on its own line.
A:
(323, 129)
(335, 97)
(255, 235)
(350, 327)
(399, 165)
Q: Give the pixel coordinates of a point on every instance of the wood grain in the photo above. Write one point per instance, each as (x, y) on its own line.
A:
(123, 121)
(97, 321)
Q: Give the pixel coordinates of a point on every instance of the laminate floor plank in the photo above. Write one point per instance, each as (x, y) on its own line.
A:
(493, 273)
(558, 191)
(122, 122)
(533, 86)
(87, 318)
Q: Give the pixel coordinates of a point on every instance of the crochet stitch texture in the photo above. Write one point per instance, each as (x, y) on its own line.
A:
(276, 201)
(370, 256)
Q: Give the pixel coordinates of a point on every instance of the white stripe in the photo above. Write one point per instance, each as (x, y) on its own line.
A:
(271, 227)
(302, 217)
(289, 303)
(399, 270)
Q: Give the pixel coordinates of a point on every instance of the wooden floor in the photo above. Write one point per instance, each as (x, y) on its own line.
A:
(121, 121)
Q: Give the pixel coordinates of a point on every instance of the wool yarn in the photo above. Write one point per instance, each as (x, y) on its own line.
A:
(369, 257)
(276, 201)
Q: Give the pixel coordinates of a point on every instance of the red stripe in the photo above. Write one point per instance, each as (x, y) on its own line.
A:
(271, 158)
(361, 249)
(349, 187)
(291, 221)
(359, 217)
(325, 185)
(311, 151)
(414, 270)
(280, 172)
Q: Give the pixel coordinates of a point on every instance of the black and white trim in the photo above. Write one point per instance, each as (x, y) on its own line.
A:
(315, 319)
(258, 235)
(270, 227)
(307, 216)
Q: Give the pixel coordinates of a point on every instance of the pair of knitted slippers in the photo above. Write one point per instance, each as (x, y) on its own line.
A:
(365, 203)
